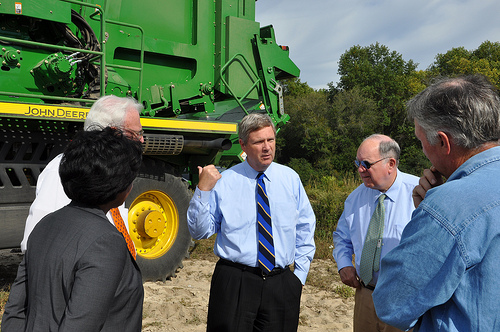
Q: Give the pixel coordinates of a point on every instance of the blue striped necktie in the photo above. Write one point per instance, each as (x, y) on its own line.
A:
(266, 247)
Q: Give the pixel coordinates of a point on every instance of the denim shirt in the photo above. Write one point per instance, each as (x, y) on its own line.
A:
(444, 275)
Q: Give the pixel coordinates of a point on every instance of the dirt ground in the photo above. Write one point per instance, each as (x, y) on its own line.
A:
(180, 304)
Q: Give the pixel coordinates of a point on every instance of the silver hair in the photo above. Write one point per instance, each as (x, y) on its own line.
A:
(110, 111)
(388, 148)
(253, 122)
(467, 108)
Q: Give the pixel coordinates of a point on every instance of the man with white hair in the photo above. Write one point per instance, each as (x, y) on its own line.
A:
(122, 113)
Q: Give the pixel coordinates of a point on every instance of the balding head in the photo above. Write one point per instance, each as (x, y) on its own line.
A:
(380, 156)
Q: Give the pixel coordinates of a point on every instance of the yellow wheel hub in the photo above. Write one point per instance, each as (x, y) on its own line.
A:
(153, 223)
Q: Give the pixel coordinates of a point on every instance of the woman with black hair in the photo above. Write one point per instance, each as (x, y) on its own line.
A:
(77, 273)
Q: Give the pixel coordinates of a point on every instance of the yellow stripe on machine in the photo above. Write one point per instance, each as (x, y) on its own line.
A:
(43, 111)
(46, 112)
(189, 125)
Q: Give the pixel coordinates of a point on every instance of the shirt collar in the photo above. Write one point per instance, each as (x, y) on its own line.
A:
(475, 162)
(252, 174)
(393, 190)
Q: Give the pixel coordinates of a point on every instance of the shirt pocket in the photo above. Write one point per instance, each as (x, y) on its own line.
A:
(284, 214)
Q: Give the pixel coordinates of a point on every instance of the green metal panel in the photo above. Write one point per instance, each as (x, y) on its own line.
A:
(178, 47)
(52, 10)
(229, 14)
(240, 33)
(273, 55)
(171, 20)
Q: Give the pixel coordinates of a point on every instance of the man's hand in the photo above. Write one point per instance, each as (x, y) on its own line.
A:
(431, 178)
(209, 175)
(349, 277)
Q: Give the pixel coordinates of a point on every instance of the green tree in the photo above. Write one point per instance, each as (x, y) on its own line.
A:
(307, 137)
(459, 61)
(294, 87)
(384, 76)
(352, 117)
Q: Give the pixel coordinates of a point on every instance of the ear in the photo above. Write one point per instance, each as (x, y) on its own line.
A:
(444, 143)
(392, 162)
(243, 147)
(392, 165)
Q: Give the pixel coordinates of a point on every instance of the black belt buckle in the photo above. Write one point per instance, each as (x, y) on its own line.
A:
(370, 287)
(275, 271)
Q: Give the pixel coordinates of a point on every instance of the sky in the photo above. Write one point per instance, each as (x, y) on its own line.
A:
(318, 32)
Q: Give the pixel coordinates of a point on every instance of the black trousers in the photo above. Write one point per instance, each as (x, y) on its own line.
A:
(242, 300)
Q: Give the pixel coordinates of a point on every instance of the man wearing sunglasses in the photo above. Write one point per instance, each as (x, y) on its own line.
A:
(375, 212)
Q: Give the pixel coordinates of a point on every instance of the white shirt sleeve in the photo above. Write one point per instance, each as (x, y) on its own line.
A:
(50, 196)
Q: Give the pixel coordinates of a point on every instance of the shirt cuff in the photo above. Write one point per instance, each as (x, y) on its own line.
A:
(301, 275)
(343, 263)
(202, 196)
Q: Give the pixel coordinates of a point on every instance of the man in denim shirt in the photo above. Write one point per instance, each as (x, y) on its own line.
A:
(443, 276)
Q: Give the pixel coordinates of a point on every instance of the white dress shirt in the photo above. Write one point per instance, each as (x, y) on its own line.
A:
(50, 196)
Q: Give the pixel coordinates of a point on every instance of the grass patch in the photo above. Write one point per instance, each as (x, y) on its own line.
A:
(344, 291)
(325, 278)
(4, 296)
(204, 249)
(327, 196)
(324, 246)
(153, 324)
(195, 321)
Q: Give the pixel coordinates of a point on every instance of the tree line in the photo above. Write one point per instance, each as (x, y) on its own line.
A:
(327, 125)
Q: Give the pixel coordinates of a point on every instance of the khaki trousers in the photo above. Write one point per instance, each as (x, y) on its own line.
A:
(365, 317)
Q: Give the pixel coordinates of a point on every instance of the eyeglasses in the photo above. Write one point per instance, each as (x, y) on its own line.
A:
(137, 134)
(367, 164)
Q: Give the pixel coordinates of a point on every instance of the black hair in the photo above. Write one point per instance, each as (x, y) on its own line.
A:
(97, 165)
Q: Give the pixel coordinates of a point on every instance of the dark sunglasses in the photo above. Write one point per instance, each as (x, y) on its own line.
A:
(367, 164)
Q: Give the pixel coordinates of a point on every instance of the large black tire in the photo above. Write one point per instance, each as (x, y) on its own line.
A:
(158, 225)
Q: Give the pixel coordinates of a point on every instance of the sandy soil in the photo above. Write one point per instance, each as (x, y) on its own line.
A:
(180, 304)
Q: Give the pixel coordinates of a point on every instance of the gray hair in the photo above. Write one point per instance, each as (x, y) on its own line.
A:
(253, 122)
(388, 148)
(467, 108)
(110, 111)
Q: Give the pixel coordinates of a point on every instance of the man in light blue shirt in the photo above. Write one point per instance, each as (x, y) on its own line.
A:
(377, 160)
(444, 274)
(242, 296)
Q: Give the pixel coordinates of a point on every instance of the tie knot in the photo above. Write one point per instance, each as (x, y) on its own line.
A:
(382, 197)
(260, 176)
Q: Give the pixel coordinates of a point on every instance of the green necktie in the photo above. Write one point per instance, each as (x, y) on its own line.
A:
(370, 256)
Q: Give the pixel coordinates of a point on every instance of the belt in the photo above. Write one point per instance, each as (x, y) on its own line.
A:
(370, 287)
(254, 270)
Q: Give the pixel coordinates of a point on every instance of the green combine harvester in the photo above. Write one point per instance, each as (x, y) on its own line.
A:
(197, 66)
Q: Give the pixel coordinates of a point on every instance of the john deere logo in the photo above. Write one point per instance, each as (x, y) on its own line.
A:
(56, 113)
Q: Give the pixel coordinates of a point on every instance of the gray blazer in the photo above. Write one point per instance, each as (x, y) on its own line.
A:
(76, 275)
